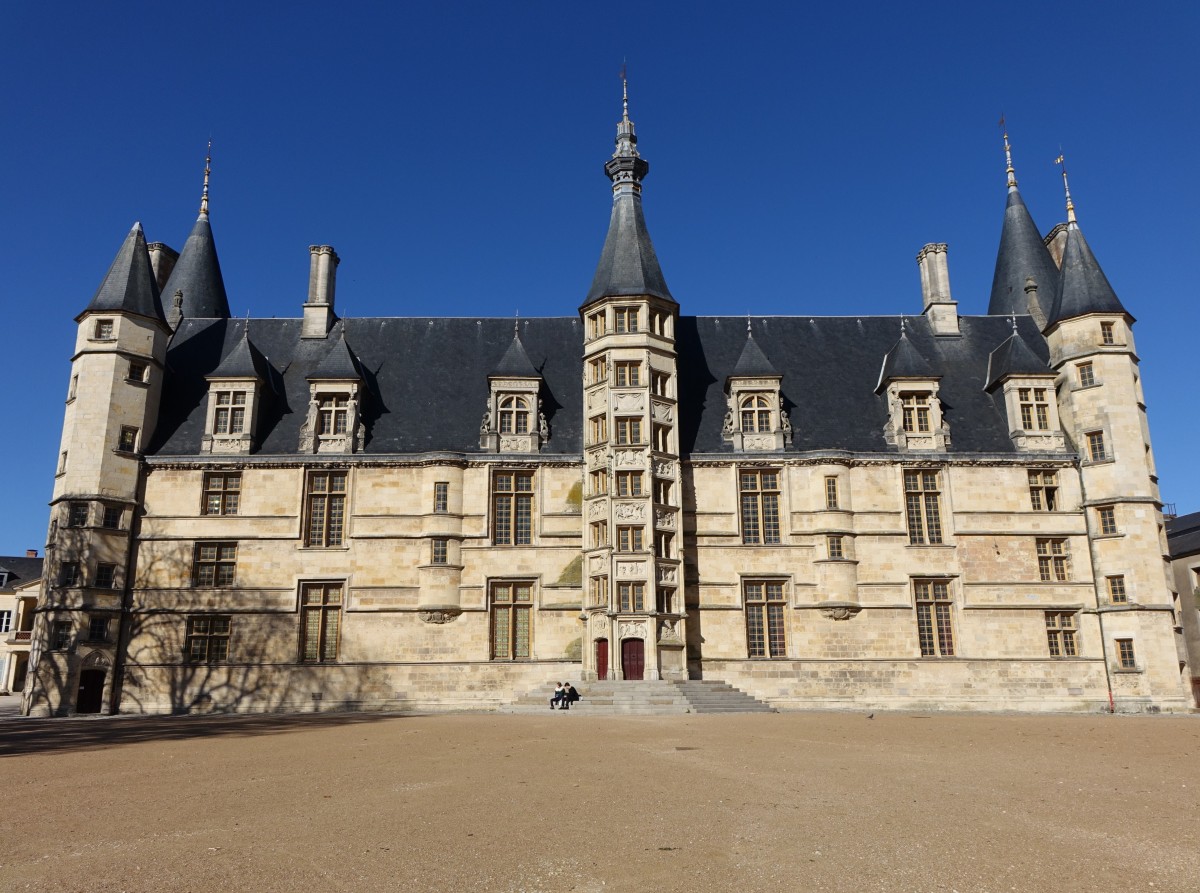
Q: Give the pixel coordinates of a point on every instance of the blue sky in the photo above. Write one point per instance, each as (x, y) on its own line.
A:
(800, 157)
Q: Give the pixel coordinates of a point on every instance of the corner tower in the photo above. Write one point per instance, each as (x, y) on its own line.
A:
(634, 594)
(195, 289)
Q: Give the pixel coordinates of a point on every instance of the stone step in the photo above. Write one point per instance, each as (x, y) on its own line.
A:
(645, 697)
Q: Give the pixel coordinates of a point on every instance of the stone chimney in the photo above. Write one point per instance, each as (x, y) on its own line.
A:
(162, 261)
(31, 553)
(322, 277)
(941, 309)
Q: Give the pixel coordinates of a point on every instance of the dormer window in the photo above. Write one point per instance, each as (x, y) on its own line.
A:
(1035, 409)
(916, 412)
(513, 421)
(333, 414)
(230, 415)
(915, 420)
(333, 424)
(756, 414)
(514, 415)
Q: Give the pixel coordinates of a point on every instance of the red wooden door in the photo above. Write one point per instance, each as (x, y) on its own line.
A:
(602, 658)
(633, 658)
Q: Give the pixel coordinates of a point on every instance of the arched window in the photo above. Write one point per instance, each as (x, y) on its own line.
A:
(756, 414)
(514, 415)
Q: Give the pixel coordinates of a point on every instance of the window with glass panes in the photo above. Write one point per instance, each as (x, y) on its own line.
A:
(1126, 659)
(440, 550)
(935, 631)
(127, 442)
(326, 509)
(320, 621)
(1060, 633)
(1106, 517)
(629, 539)
(514, 415)
(599, 481)
(759, 491)
(922, 506)
(1107, 335)
(106, 576)
(207, 639)
(1052, 560)
(629, 431)
(1116, 590)
(441, 496)
(629, 483)
(631, 597)
(112, 517)
(222, 493)
(660, 383)
(765, 636)
(333, 414)
(629, 375)
(756, 414)
(512, 620)
(77, 514)
(229, 416)
(598, 592)
(69, 574)
(1035, 409)
(512, 508)
(1087, 375)
(214, 564)
(599, 531)
(1043, 490)
(625, 319)
(1097, 451)
(598, 429)
(834, 547)
(596, 324)
(97, 629)
(915, 409)
(104, 330)
(597, 370)
(831, 492)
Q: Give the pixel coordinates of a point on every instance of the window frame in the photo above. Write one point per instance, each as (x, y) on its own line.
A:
(832, 502)
(104, 330)
(214, 564)
(511, 609)
(1097, 447)
(106, 576)
(933, 605)
(78, 514)
(1062, 634)
(627, 374)
(230, 406)
(1085, 374)
(923, 507)
(328, 645)
(1043, 489)
(1126, 655)
(127, 439)
(1117, 592)
(629, 484)
(631, 597)
(225, 498)
(1106, 520)
(439, 550)
(916, 414)
(325, 508)
(114, 514)
(1054, 559)
(631, 538)
(198, 629)
(512, 520)
(764, 603)
(760, 506)
(95, 621)
(835, 547)
(1108, 334)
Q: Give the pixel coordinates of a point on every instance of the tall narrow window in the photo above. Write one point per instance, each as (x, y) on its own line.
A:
(74, 387)
(440, 549)
(326, 509)
(69, 574)
(599, 531)
(62, 462)
(922, 503)
(514, 415)
(596, 324)
(666, 601)
(598, 592)
(629, 483)
(222, 493)
(1043, 491)
(598, 429)
(1106, 519)
(1107, 335)
(662, 492)
(629, 432)
(629, 539)
(765, 636)
(1087, 375)
(599, 481)
(831, 492)
(128, 440)
(214, 564)
(662, 438)
(1035, 409)
(1116, 590)
(833, 546)
(934, 628)
(598, 370)
(1097, 451)
(631, 597)
(1126, 660)
(916, 412)
(760, 507)
(1052, 560)
(61, 634)
(660, 383)
(320, 621)
(629, 375)
(664, 545)
(626, 319)
(441, 495)
(756, 414)
(97, 629)
(333, 414)
(512, 508)
(512, 620)
(230, 414)
(1060, 634)
(207, 638)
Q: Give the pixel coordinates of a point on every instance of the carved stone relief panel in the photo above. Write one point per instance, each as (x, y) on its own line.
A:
(662, 412)
(597, 564)
(595, 399)
(596, 459)
(598, 509)
(630, 511)
(631, 630)
(664, 468)
(629, 459)
(628, 402)
(758, 441)
(631, 569)
(667, 574)
(664, 518)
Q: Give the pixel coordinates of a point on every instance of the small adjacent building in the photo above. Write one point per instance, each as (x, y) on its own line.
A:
(1183, 541)
(20, 589)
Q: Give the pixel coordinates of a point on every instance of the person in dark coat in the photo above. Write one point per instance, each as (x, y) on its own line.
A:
(570, 696)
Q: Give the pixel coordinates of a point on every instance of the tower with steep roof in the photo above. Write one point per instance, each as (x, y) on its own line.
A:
(633, 601)
(196, 277)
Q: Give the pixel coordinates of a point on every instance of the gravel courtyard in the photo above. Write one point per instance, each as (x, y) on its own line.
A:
(802, 801)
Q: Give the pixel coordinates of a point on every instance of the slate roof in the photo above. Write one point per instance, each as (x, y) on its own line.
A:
(244, 361)
(515, 363)
(903, 361)
(21, 569)
(426, 379)
(198, 274)
(1183, 535)
(339, 362)
(129, 285)
(1014, 357)
(1082, 288)
(1022, 254)
(628, 264)
(753, 362)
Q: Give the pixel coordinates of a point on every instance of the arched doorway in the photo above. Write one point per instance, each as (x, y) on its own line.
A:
(633, 658)
(602, 659)
(91, 691)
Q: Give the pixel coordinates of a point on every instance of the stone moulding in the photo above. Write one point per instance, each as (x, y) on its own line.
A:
(440, 615)
(839, 610)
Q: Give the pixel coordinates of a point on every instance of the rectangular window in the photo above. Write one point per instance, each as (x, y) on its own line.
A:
(333, 414)
(207, 638)
(629, 431)
(222, 493)
(660, 383)
(214, 564)
(596, 324)
(106, 576)
(629, 375)
(1061, 633)
(916, 413)
(599, 482)
(73, 388)
(664, 545)
(1053, 560)
(1125, 656)
(325, 509)
(626, 319)
(1116, 590)
(229, 417)
(631, 597)
(1107, 335)
(629, 539)
(1106, 519)
(598, 428)
(61, 633)
(440, 548)
(662, 492)
(441, 497)
(598, 592)
(599, 531)
(1043, 491)
(662, 438)
(5, 621)
(137, 370)
(77, 514)
(922, 504)
(62, 462)
(104, 330)
(629, 483)
(666, 601)
(97, 629)
(68, 574)
(512, 620)
(1035, 409)
(658, 322)
(320, 621)
(1097, 451)
(512, 508)
(935, 630)
(760, 507)
(127, 442)
(834, 546)
(831, 492)
(598, 370)
(765, 636)
(112, 517)
(1087, 375)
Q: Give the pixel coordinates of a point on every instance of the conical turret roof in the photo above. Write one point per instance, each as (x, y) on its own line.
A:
(753, 363)
(1022, 255)
(129, 286)
(1083, 288)
(515, 363)
(904, 361)
(197, 274)
(1014, 357)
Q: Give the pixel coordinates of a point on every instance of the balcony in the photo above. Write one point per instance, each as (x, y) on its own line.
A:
(20, 638)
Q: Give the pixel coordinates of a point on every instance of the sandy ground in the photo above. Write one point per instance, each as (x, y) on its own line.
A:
(811, 801)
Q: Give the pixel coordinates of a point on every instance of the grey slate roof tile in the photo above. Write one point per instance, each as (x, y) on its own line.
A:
(1082, 288)
(515, 363)
(1014, 357)
(1183, 535)
(628, 264)
(903, 361)
(198, 274)
(21, 569)
(753, 361)
(129, 285)
(1022, 255)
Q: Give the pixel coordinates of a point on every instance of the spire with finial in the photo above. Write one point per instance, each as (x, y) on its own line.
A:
(207, 171)
(626, 144)
(1061, 162)
(1012, 174)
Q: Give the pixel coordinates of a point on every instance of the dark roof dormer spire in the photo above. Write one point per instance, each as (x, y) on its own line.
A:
(515, 363)
(752, 362)
(628, 264)
(197, 273)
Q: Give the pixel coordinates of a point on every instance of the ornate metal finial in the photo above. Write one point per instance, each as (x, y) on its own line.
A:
(1066, 188)
(902, 327)
(1012, 174)
(748, 330)
(207, 171)
(517, 324)
(1014, 323)
(624, 93)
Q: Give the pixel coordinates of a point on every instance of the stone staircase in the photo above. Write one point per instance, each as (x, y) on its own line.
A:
(645, 698)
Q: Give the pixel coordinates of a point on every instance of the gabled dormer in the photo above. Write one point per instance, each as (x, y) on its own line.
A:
(910, 386)
(235, 395)
(513, 421)
(1026, 384)
(755, 420)
(336, 390)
